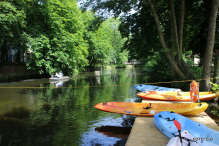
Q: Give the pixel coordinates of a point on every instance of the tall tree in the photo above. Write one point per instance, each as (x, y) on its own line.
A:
(205, 86)
(12, 22)
(160, 33)
(56, 37)
(216, 67)
(97, 35)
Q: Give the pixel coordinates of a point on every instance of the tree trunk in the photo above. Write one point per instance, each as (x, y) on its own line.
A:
(205, 86)
(4, 53)
(216, 68)
(171, 44)
(181, 24)
(179, 38)
(18, 56)
(176, 68)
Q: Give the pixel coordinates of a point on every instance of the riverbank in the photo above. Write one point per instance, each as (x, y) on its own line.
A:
(10, 77)
(16, 72)
(12, 73)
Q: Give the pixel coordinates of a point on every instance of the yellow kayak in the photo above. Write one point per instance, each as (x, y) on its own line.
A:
(149, 109)
(176, 96)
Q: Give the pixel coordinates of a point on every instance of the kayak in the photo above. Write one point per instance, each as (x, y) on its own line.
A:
(149, 109)
(56, 78)
(202, 134)
(187, 140)
(174, 96)
(144, 87)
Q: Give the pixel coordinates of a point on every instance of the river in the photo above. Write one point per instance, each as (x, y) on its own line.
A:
(38, 112)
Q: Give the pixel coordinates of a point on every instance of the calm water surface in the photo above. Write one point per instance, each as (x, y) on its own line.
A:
(43, 113)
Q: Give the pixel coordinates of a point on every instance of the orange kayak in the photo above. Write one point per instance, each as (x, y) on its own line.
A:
(149, 109)
(174, 96)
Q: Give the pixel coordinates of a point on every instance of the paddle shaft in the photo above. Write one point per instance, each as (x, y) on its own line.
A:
(178, 126)
(180, 137)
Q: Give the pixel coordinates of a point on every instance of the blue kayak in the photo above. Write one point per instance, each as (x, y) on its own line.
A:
(144, 87)
(203, 135)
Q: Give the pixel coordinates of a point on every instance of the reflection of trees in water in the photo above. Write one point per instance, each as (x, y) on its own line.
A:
(95, 142)
(18, 129)
(120, 142)
(61, 115)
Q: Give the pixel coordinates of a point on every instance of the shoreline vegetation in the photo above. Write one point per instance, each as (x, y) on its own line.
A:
(26, 74)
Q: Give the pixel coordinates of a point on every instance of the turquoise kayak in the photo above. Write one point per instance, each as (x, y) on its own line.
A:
(144, 88)
(203, 135)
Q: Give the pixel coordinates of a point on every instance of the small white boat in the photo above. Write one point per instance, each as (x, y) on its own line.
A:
(62, 78)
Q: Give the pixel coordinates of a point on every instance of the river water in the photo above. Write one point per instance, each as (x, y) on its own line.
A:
(42, 113)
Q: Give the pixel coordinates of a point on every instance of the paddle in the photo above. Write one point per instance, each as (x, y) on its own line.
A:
(178, 126)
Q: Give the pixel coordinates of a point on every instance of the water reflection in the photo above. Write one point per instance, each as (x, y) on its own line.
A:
(59, 83)
(114, 131)
(47, 115)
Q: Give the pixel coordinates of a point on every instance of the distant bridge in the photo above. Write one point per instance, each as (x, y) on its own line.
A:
(132, 62)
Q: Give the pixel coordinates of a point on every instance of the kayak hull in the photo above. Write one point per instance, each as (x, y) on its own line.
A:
(144, 87)
(164, 122)
(176, 96)
(149, 109)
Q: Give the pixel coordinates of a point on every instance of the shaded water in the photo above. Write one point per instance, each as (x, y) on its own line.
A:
(56, 113)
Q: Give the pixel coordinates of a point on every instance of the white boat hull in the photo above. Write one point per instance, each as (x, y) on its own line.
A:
(58, 79)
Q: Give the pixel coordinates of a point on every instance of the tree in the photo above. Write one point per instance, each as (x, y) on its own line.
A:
(118, 7)
(216, 67)
(97, 36)
(118, 55)
(56, 37)
(205, 86)
(104, 39)
(12, 22)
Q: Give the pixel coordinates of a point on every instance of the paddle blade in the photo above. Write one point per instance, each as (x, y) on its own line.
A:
(177, 124)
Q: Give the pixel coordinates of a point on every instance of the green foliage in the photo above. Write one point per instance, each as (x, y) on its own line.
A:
(196, 70)
(104, 41)
(12, 23)
(120, 58)
(158, 68)
(214, 87)
(139, 27)
(60, 44)
(60, 36)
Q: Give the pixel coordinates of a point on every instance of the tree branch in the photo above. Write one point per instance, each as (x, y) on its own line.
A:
(163, 42)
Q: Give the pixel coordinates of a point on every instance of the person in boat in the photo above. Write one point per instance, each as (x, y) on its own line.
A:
(60, 74)
(57, 75)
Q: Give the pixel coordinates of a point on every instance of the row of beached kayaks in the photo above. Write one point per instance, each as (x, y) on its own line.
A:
(149, 109)
(170, 94)
(165, 114)
(176, 96)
